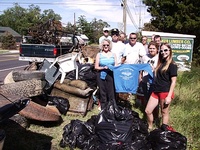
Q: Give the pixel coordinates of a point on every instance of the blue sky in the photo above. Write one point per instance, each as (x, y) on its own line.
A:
(107, 10)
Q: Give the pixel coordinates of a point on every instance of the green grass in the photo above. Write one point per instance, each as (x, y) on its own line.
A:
(185, 110)
(184, 117)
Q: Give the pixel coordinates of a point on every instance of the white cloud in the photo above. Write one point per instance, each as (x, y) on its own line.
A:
(100, 9)
(107, 10)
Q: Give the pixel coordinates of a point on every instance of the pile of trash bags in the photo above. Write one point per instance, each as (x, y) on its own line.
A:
(118, 128)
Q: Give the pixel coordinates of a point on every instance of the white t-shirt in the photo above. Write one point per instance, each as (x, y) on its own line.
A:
(133, 53)
(118, 50)
(153, 61)
(103, 37)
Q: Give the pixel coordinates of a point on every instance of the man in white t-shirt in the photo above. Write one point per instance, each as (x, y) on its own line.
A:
(145, 44)
(105, 35)
(134, 51)
(117, 46)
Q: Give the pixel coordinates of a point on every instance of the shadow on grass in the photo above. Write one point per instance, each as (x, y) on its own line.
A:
(19, 138)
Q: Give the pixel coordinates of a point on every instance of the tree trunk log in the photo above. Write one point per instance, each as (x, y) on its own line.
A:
(73, 90)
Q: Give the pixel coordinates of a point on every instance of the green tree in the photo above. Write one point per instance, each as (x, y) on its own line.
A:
(13, 17)
(21, 19)
(149, 27)
(70, 28)
(85, 27)
(49, 14)
(92, 29)
(8, 42)
(98, 26)
(176, 16)
(31, 18)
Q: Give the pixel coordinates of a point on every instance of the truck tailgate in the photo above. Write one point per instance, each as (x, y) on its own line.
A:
(37, 50)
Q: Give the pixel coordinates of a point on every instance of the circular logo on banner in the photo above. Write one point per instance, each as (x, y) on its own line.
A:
(183, 57)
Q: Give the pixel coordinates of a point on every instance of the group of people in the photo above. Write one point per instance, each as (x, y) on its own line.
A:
(117, 50)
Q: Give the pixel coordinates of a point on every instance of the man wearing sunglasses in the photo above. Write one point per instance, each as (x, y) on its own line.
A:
(105, 35)
(117, 46)
(134, 51)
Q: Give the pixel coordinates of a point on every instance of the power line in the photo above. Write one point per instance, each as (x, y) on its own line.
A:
(57, 3)
(133, 6)
(131, 17)
(140, 20)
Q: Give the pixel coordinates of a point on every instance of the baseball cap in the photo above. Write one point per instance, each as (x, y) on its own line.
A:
(115, 31)
(105, 29)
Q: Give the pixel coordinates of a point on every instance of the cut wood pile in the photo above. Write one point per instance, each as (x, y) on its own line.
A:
(49, 101)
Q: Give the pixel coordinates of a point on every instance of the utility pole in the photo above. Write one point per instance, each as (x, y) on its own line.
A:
(124, 14)
(140, 6)
(74, 22)
(140, 16)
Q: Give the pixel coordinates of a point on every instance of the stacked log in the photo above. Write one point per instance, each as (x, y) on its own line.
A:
(77, 92)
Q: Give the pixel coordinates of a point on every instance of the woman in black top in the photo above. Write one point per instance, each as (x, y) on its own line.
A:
(163, 86)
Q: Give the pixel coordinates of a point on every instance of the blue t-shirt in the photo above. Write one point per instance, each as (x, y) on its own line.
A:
(105, 61)
(126, 76)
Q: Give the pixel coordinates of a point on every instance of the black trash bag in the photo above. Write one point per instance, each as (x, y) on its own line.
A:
(92, 143)
(137, 145)
(167, 140)
(77, 134)
(114, 124)
(139, 134)
(139, 129)
(86, 72)
(62, 104)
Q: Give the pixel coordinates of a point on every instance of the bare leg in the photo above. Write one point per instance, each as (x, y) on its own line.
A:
(152, 103)
(165, 112)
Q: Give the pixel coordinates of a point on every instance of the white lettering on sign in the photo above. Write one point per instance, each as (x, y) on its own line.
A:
(176, 46)
(186, 46)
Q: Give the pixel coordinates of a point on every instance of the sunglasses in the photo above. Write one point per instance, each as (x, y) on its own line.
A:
(132, 38)
(105, 45)
(106, 31)
(164, 50)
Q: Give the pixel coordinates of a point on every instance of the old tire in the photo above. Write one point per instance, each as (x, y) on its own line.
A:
(26, 88)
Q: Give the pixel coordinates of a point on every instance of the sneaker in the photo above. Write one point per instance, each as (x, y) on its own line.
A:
(171, 129)
(167, 128)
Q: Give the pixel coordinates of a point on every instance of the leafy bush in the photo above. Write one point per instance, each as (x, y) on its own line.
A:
(8, 42)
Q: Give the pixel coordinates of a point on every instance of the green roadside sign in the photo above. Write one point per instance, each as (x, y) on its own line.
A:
(181, 44)
(182, 48)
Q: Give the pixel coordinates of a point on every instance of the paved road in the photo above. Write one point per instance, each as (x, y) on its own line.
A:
(9, 62)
